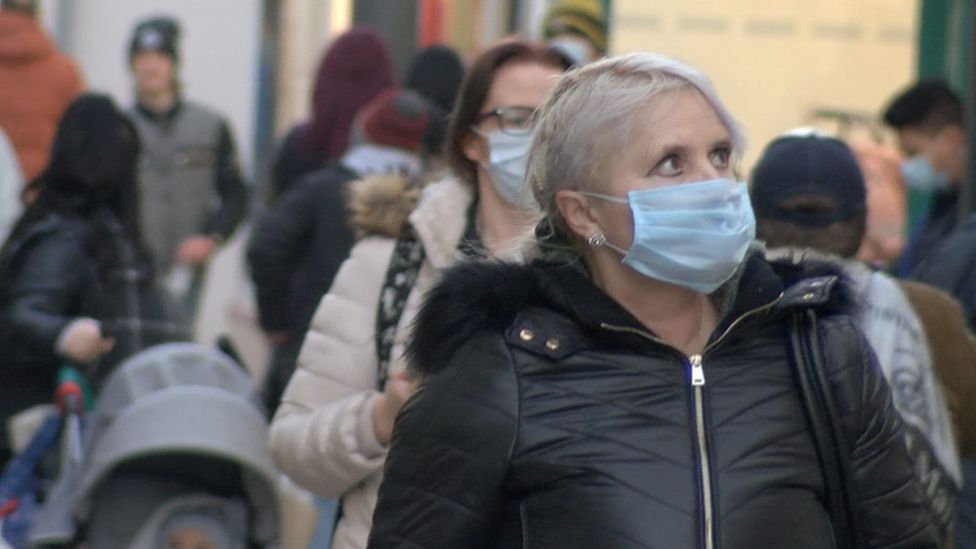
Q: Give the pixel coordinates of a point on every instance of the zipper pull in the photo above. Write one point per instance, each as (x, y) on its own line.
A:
(697, 372)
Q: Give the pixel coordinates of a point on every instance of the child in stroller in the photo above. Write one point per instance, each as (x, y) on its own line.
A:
(175, 455)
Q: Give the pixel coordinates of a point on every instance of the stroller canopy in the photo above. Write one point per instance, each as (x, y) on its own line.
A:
(169, 404)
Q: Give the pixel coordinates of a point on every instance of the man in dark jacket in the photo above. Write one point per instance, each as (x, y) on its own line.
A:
(298, 246)
(928, 119)
(192, 193)
(808, 192)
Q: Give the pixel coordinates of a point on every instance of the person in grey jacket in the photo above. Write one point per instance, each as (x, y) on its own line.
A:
(192, 191)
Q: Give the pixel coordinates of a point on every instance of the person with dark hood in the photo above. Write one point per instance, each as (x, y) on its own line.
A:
(355, 68)
(76, 279)
(193, 194)
(436, 73)
(37, 82)
(299, 243)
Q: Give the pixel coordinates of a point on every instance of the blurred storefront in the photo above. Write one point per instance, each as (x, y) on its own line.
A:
(780, 65)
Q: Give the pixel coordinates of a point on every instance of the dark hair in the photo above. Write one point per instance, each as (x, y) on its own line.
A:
(436, 73)
(474, 91)
(356, 67)
(928, 105)
(26, 7)
(841, 238)
(91, 171)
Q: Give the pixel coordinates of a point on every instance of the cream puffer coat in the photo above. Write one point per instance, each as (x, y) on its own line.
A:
(322, 434)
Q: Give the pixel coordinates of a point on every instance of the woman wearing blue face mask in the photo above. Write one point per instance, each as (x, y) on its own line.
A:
(650, 379)
(332, 429)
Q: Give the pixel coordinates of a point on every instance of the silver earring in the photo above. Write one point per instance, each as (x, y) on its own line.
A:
(596, 240)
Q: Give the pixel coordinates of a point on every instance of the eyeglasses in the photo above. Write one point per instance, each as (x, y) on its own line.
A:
(511, 120)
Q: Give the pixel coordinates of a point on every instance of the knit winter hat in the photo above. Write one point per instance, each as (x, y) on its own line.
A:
(804, 162)
(580, 17)
(159, 34)
(436, 74)
(396, 118)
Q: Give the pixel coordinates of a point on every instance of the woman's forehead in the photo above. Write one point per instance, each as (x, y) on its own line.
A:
(677, 118)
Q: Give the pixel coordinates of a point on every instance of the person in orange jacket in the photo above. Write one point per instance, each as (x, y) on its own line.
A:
(37, 83)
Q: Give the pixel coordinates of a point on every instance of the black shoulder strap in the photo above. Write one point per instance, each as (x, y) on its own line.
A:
(401, 275)
(820, 408)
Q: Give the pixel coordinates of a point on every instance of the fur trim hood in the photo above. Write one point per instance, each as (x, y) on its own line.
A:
(380, 204)
(487, 296)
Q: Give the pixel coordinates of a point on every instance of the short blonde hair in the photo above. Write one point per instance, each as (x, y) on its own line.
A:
(590, 114)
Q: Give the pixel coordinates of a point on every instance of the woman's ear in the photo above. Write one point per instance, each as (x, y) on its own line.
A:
(577, 213)
(474, 147)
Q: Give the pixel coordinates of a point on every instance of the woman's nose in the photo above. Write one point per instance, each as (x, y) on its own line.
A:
(706, 170)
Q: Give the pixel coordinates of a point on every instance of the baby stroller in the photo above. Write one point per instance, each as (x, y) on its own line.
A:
(175, 450)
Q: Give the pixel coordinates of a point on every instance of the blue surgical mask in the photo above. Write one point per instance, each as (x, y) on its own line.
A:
(919, 175)
(507, 156)
(693, 235)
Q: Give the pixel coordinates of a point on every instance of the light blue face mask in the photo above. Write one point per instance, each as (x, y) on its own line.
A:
(692, 235)
(919, 175)
(507, 155)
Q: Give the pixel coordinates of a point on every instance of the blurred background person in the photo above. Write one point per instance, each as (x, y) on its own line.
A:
(76, 280)
(435, 73)
(884, 232)
(192, 191)
(11, 187)
(578, 28)
(37, 83)
(808, 192)
(355, 68)
(300, 242)
(331, 431)
(928, 120)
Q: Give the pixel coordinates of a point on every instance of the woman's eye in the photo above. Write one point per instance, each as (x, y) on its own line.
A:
(668, 167)
(721, 158)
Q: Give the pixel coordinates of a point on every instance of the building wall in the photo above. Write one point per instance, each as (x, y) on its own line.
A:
(219, 49)
(775, 63)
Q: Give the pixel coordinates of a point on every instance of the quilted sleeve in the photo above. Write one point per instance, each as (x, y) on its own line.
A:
(444, 479)
(890, 507)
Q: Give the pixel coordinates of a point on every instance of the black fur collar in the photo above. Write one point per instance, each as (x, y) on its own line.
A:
(488, 294)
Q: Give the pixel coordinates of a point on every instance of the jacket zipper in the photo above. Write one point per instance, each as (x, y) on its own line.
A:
(697, 376)
(704, 464)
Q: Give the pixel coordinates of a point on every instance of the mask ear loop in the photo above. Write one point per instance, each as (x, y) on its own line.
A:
(598, 239)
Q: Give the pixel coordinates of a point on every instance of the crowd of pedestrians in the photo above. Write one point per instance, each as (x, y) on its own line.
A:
(517, 300)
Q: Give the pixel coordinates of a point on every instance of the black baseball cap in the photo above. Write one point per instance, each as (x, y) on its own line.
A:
(804, 162)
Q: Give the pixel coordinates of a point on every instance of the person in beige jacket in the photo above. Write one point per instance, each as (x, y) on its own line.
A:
(330, 433)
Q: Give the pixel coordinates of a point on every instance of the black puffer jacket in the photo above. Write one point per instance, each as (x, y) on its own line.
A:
(294, 253)
(549, 418)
